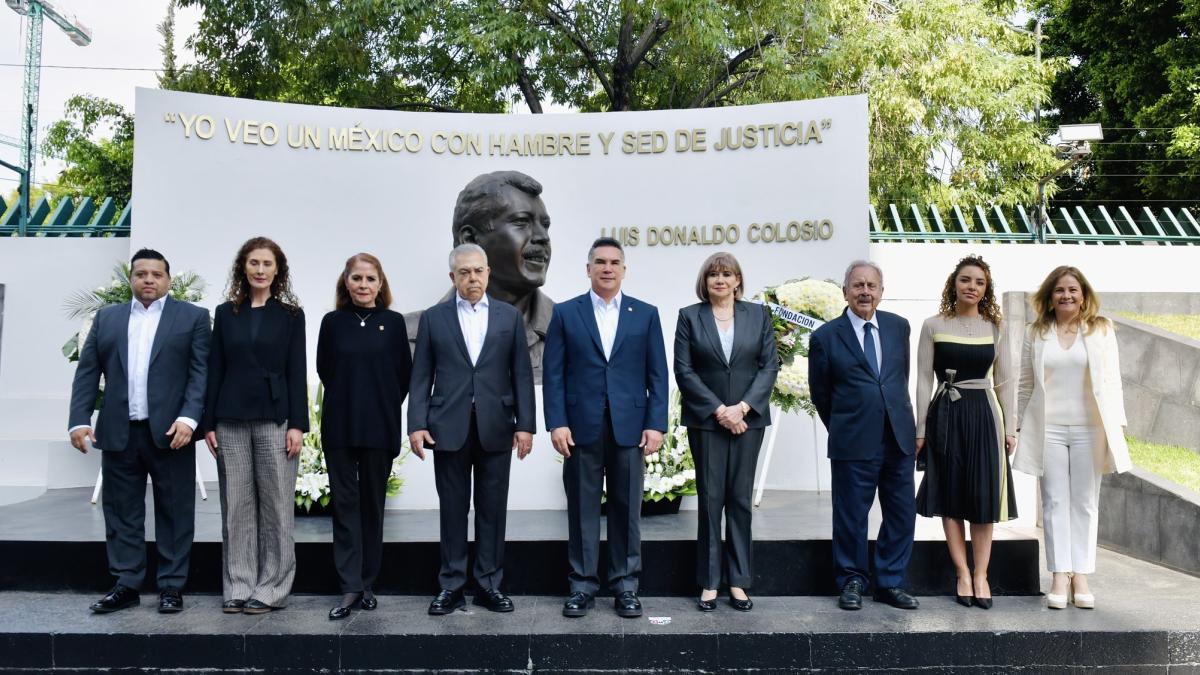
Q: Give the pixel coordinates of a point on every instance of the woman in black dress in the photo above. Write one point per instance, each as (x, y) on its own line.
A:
(364, 363)
(966, 432)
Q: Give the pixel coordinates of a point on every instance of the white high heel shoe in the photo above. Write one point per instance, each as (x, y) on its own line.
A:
(1055, 601)
(1082, 600)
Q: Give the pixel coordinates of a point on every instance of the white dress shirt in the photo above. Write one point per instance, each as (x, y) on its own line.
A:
(608, 315)
(857, 322)
(143, 326)
(473, 320)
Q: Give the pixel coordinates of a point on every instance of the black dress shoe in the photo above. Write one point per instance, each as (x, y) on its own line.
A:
(170, 601)
(349, 600)
(446, 602)
(256, 607)
(851, 597)
(627, 605)
(896, 597)
(578, 604)
(493, 600)
(964, 600)
(120, 597)
(233, 606)
(706, 605)
(369, 602)
(983, 603)
(741, 605)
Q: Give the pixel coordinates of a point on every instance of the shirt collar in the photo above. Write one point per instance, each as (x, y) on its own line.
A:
(599, 303)
(857, 321)
(461, 301)
(156, 306)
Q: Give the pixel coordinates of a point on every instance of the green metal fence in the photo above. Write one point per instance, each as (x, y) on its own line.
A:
(1098, 225)
(66, 218)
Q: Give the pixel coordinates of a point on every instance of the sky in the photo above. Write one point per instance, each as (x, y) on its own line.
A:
(124, 35)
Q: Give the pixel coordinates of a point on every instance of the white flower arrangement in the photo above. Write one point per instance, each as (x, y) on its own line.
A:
(312, 480)
(815, 298)
(670, 472)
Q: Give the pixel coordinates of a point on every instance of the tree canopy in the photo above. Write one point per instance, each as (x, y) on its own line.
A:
(95, 140)
(951, 85)
(1138, 74)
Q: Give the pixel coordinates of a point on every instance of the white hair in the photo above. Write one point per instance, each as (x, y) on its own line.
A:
(857, 264)
(464, 249)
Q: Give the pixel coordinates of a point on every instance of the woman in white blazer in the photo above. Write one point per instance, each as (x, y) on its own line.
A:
(1072, 419)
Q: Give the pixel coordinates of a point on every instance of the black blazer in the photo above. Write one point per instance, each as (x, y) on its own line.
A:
(444, 382)
(266, 374)
(174, 383)
(365, 370)
(707, 381)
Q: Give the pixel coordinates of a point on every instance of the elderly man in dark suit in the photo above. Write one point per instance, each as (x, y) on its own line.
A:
(471, 399)
(858, 373)
(605, 394)
(153, 354)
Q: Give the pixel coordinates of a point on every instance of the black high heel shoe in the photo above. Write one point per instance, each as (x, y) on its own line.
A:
(342, 611)
(964, 600)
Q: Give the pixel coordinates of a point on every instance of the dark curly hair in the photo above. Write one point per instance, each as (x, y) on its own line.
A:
(238, 289)
(988, 308)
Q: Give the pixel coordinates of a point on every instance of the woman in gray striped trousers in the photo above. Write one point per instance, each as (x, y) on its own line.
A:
(255, 417)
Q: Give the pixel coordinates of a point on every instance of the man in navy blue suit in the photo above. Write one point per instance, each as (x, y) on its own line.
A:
(605, 395)
(858, 375)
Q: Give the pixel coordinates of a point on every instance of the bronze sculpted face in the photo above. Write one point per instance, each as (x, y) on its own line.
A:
(503, 213)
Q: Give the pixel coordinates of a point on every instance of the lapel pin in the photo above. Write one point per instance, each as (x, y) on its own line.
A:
(381, 328)
(628, 309)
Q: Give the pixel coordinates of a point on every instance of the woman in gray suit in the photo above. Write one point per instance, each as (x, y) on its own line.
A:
(725, 365)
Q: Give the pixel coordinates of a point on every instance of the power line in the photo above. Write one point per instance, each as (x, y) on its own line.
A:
(22, 65)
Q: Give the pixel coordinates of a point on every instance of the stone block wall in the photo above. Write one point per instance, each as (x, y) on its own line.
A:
(1151, 518)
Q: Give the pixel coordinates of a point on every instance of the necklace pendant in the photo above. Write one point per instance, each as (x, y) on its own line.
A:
(363, 324)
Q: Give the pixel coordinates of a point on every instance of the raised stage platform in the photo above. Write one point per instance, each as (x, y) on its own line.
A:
(1146, 622)
(55, 542)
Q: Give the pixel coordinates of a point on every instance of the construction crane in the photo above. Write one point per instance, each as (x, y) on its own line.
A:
(34, 11)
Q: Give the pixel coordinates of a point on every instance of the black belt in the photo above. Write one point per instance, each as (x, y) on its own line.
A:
(139, 423)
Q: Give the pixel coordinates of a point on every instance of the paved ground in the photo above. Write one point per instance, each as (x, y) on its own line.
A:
(1146, 621)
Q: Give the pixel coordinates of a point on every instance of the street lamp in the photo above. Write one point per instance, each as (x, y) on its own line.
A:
(1074, 145)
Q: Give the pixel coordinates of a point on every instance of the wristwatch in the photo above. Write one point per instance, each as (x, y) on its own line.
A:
(745, 408)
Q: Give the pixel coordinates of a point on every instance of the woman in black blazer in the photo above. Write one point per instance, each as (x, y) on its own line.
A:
(725, 365)
(364, 363)
(255, 417)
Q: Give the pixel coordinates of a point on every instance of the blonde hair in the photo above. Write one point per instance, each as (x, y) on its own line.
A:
(1043, 305)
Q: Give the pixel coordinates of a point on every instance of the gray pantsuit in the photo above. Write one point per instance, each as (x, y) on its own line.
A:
(258, 487)
(725, 466)
(711, 374)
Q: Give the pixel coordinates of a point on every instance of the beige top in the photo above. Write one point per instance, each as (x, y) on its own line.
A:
(939, 328)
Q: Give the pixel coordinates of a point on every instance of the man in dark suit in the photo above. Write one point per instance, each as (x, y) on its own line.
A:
(153, 354)
(471, 398)
(858, 373)
(605, 394)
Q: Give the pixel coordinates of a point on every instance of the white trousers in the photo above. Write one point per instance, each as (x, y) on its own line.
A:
(1072, 470)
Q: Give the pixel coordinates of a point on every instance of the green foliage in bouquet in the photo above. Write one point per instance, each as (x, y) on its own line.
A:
(816, 298)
